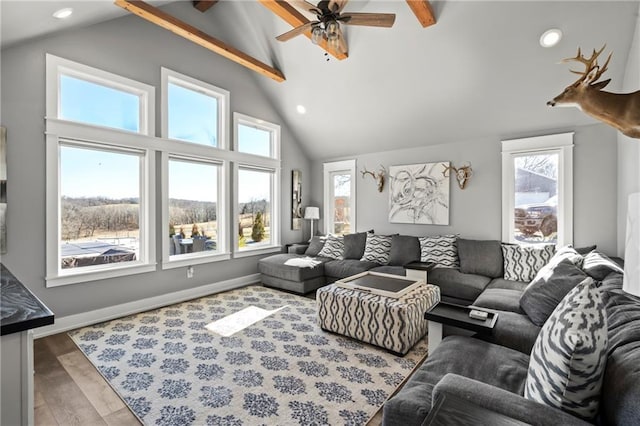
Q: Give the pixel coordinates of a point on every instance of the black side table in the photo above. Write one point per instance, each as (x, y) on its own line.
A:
(451, 410)
(457, 316)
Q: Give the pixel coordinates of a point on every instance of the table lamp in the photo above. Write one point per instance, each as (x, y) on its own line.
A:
(631, 283)
(312, 213)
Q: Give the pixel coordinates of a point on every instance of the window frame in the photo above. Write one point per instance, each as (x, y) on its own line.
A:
(221, 213)
(169, 76)
(561, 144)
(273, 129)
(56, 66)
(330, 169)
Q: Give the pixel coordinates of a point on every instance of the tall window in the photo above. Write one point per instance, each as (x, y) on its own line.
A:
(537, 190)
(194, 111)
(257, 178)
(340, 197)
(193, 205)
(99, 180)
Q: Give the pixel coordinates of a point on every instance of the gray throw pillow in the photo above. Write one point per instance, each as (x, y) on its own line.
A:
(354, 245)
(522, 263)
(404, 249)
(440, 250)
(569, 356)
(333, 247)
(548, 288)
(377, 249)
(315, 245)
(599, 265)
(480, 257)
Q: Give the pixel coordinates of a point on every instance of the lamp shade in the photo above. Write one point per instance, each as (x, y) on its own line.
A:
(631, 283)
(312, 213)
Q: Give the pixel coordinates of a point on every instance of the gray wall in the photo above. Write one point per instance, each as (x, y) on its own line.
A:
(135, 49)
(628, 149)
(476, 211)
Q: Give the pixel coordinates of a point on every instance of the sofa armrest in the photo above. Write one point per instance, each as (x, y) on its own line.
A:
(503, 402)
(297, 248)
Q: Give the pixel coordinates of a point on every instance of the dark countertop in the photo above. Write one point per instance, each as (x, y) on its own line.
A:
(20, 309)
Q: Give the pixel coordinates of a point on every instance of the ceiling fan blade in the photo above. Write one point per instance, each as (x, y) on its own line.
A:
(296, 31)
(369, 19)
(306, 6)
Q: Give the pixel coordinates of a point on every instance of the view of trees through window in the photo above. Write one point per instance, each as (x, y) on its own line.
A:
(536, 198)
(254, 208)
(341, 207)
(100, 207)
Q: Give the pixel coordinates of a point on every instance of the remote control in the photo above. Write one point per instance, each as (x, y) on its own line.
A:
(479, 315)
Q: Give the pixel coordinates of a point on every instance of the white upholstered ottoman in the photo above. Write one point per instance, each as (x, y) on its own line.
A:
(394, 324)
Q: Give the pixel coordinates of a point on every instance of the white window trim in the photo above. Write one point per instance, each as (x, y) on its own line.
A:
(55, 66)
(348, 166)
(56, 276)
(273, 129)
(562, 144)
(275, 213)
(169, 76)
(221, 217)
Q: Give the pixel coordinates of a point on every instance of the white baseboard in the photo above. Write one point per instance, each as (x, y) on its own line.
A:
(71, 322)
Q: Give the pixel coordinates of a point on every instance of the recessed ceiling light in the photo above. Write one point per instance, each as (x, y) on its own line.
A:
(550, 37)
(301, 109)
(63, 13)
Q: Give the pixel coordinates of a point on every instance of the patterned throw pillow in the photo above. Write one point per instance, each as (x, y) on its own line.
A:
(440, 250)
(377, 249)
(333, 247)
(568, 358)
(522, 263)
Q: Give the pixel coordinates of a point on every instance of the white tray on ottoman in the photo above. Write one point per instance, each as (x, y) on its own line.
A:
(393, 323)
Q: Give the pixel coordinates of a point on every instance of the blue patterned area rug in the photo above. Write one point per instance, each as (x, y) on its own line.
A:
(282, 370)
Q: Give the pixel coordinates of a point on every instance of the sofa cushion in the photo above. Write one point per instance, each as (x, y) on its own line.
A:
(377, 249)
(548, 288)
(315, 245)
(333, 247)
(440, 250)
(454, 283)
(500, 299)
(481, 257)
(346, 267)
(599, 265)
(569, 356)
(522, 263)
(513, 330)
(500, 366)
(275, 266)
(404, 250)
(354, 245)
(508, 284)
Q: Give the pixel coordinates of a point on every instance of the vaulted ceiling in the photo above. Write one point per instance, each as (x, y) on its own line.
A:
(478, 72)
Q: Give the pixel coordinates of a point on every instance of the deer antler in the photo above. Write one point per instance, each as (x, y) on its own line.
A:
(590, 64)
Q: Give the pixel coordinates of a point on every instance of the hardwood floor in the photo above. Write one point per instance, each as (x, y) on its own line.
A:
(70, 391)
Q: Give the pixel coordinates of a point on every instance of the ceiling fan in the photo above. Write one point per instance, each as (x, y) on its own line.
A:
(329, 17)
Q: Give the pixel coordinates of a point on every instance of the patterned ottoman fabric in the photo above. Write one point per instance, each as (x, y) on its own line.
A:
(394, 324)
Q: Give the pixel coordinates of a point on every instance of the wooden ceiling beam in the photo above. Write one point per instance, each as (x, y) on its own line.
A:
(423, 11)
(293, 17)
(204, 5)
(176, 26)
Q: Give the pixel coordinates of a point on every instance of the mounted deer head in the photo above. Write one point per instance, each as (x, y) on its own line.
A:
(463, 174)
(620, 110)
(378, 177)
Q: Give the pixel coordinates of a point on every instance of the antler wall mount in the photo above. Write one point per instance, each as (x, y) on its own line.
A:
(378, 177)
(462, 174)
(620, 110)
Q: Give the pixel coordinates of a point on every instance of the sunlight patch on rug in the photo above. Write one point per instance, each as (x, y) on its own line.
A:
(231, 324)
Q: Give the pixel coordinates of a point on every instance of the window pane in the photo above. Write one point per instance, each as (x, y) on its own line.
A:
(341, 203)
(93, 103)
(193, 116)
(193, 198)
(254, 206)
(254, 141)
(536, 198)
(100, 207)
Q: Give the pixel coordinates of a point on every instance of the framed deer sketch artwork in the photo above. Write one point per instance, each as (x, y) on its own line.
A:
(419, 193)
(296, 202)
(3, 190)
